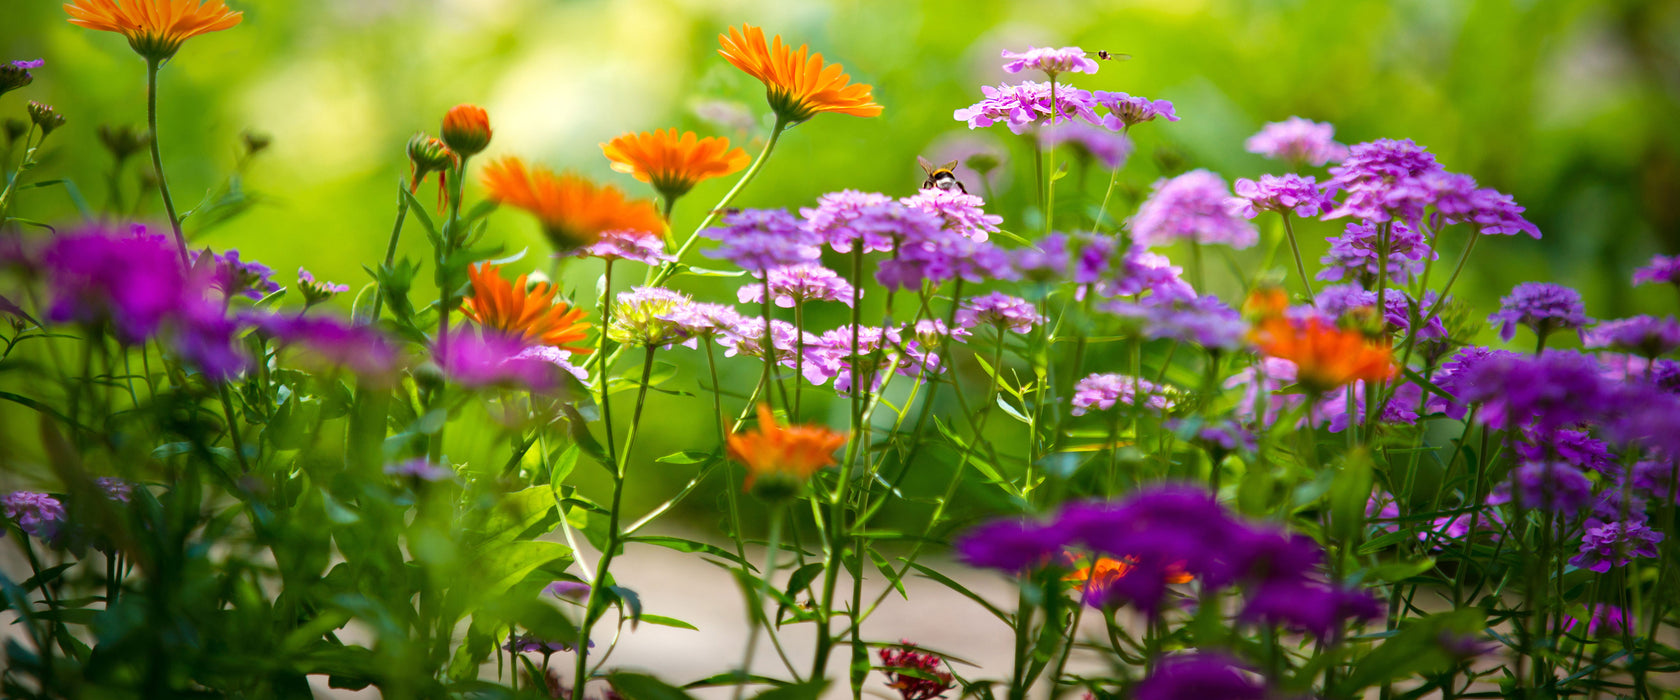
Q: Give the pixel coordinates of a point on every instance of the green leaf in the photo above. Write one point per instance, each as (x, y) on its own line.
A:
(687, 457)
(809, 690)
(518, 512)
(663, 621)
(1397, 571)
(419, 212)
(971, 595)
(1415, 650)
(628, 599)
(637, 686)
(507, 565)
(1350, 490)
(689, 546)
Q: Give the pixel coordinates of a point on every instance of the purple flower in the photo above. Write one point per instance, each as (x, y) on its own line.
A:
(1383, 180)
(1142, 271)
(747, 339)
(1656, 478)
(703, 319)
(1010, 545)
(1662, 269)
(764, 239)
(530, 643)
(1549, 486)
(1605, 545)
(1457, 200)
(1217, 436)
(1542, 306)
(235, 277)
(1454, 375)
(475, 361)
(315, 291)
(132, 280)
(574, 590)
(1070, 59)
(1574, 447)
(1341, 299)
(790, 286)
(115, 488)
(1163, 532)
(1306, 606)
(15, 74)
(1299, 142)
(1082, 258)
(644, 247)
(1455, 527)
(35, 513)
(1611, 619)
(840, 218)
(639, 317)
(1647, 335)
(1553, 390)
(205, 337)
(1282, 193)
(1204, 320)
(420, 469)
(560, 359)
(1108, 147)
(360, 349)
(1028, 104)
(1200, 676)
(1354, 254)
(1125, 110)
(832, 355)
(1104, 390)
(941, 255)
(1000, 310)
(961, 212)
(1195, 206)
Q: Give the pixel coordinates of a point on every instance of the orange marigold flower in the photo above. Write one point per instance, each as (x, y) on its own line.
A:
(1325, 356)
(785, 457)
(796, 82)
(466, 128)
(673, 164)
(155, 28)
(531, 314)
(573, 210)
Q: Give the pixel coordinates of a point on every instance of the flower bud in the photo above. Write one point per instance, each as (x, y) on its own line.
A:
(466, 129)
(255, 142)
(44, 117)
(15, 74)
(123, 141)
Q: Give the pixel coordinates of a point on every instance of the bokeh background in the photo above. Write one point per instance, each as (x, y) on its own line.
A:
(1573, 106)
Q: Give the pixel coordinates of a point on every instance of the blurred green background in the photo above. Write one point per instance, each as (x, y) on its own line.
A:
(1573, 106)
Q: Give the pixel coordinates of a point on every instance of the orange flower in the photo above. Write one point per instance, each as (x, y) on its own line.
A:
(672, 164)
(531, 314)
(1266, 301)
(573, 210)
(784, 456)
(155, 28)
(798, 86)
(466, 128)
(1325, 357)
(1094, 580)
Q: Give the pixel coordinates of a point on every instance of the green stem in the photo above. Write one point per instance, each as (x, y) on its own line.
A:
(756, 615)
(390, 256)
(152, 66)
(1300, 267)
(665, 271)
(1050, 183)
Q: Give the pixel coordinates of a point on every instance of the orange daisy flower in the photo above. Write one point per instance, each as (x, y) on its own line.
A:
(532, 314)
(673, 164)
(796, 81)
(1325, 356)
(573, 210)
(155, 28)
(784, 456)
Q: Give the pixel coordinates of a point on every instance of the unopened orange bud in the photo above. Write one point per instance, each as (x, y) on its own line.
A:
(466, 129)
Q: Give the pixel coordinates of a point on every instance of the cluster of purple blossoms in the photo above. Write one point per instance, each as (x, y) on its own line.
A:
(1662, 269)
(316, 291)
(1107, 147)
(832, 355)
(747, 339)
(1548, 486)
(1298, 142)
(1339, 300)
(1553, 390)
(1142, 271)
(37, 514)
(1026, 105)
(15, 74)
(420, 469)
(132, 280)
(703, 320)
(1401, 408)
(1605, 545)
(1194, 206)
(792, 286)
(942, 255)
(999, 310)
(1102, 391)
(644, 247)
(1166, 532)
(1647, 336)
(115, 488)
(1457, 200)
(1383, 180)
(1203, 320)
(1201, 675)
(1070, 59)
(844, 217)
(758, 240)
(1282, 193)
(323, 339)
(1577, 448)
(1082, 258)
(1125, 110)
(234, 277)
(1355, 255)
(961, 212)
(639, 317)
(1542, 307)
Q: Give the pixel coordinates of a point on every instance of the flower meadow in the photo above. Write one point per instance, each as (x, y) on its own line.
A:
(1321, 487)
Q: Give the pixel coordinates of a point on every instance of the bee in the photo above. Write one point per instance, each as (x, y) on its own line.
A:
(941, 177)
(1111, 56)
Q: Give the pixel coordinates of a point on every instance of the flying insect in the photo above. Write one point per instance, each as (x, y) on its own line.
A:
(942, 177)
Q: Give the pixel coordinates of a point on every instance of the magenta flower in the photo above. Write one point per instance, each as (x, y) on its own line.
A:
(1199, 676)
(1383, 180)
(1457, 200)
(703, 320)
(1615, 544)
(322, 339)
(942, 255)
(1026, 105)
(1082, 258)
(1298, 142)
(1354, 255)
(1553, 390)
(1069, 59)
(1203, 320)
(558, 358)
(1578, 448)
(1103, 391)
(1662, 269)
(926, 681)
(116, 489)
(1317, 609)
(790, 286)
(832, 356)
(1000, 310)
(747, 339)
(316, 291)
(961, 212)
(1612, 620)
(1548, 486)
(235, 277)
(1193, 206)
(764, 239)
(477, 361)
(1107, 147)
(1646, 335)
(1125, 110)
(1339, 300)
(38, 514)
(1142, 271)
(574, 590)
(841, 218)
(206, 338)
(1282, 193)
(1011, 544)
(1542, 307)
(637, 246)
(132, 280)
